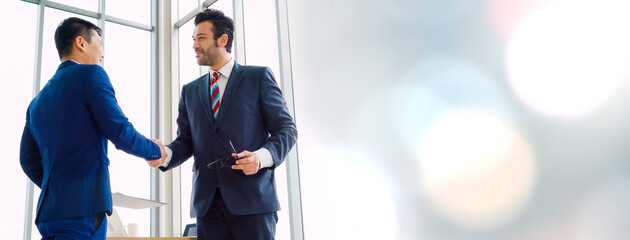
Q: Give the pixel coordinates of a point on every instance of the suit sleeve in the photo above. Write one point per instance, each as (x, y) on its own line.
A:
(278, 121)
(182, 145)
(110, 119)
(30, 157)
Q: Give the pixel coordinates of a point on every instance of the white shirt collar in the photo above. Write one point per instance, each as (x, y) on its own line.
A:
(226, 70)
(79, 63)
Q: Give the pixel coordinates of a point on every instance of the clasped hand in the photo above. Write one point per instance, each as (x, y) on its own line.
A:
(158, 162)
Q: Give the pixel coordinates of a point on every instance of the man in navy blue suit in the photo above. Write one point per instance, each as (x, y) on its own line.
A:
(64, 143)
(233, 112)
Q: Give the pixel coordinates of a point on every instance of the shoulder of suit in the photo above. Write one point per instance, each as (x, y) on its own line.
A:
(253, 68)
(97, 72)
(195, 82)
(85, 71)
(255, 71)
(93, 67)
(80, 69)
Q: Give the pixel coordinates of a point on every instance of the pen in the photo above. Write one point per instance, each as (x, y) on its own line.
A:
(233, 149)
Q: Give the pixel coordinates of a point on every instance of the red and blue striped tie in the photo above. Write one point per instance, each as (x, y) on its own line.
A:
(214, 95)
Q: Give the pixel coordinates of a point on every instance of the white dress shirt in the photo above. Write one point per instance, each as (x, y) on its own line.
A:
(266, 160)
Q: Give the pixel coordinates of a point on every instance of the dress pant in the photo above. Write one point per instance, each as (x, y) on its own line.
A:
(220, 224)
(78, 228)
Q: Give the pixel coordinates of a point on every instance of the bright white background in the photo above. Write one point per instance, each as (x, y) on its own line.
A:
(16, 93)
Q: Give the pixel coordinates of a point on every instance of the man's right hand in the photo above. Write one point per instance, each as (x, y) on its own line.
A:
(158, 162)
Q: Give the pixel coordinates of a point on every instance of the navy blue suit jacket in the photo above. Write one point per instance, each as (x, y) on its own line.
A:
(252, 114)
(64, 143)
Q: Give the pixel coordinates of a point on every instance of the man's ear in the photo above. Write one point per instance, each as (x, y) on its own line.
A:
(223, 40)
(80, 43)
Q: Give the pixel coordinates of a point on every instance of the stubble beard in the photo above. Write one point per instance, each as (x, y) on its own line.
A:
(209, 57)
(206, 60)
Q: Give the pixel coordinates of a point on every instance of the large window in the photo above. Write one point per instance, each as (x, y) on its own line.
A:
(128, 64)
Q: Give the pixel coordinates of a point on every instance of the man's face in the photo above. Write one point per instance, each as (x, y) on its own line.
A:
(94, 49)
(206, 48)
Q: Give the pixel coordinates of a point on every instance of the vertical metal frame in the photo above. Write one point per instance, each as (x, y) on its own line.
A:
(171, 48)
(101, 23)
(239, 32)
(37, 72)
(154, 175)
(286, 84)
(166, 221)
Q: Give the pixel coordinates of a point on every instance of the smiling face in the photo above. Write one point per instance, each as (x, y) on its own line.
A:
(208, 50)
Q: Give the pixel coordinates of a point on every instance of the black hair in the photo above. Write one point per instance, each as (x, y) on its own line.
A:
(68, 30)
(221, 24)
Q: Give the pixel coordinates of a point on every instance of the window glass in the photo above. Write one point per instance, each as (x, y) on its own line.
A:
(224, 5)
(261, 48)
(261, 38)
(186, 6)
(189, 70)
(91, 5)
(18, 47)
(50, 57)
(128, 64)
(138, 10)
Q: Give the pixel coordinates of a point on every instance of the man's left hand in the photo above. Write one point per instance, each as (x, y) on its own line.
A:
(247, 161)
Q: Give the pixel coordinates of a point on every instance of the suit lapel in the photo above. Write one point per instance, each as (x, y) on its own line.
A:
(204, 93)
(233, 82)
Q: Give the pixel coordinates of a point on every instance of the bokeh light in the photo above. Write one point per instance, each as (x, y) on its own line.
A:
(505, 15)
(605, 213)
(435, 86)
(477, 169)
(352, 197)
(564, 64)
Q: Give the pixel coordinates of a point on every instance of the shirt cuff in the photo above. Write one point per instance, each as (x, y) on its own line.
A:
(169, 152)
(266, 160)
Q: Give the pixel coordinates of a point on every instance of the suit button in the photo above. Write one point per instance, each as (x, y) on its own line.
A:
(216, 135)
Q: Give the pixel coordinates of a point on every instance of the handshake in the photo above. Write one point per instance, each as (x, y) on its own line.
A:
(158, 162)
